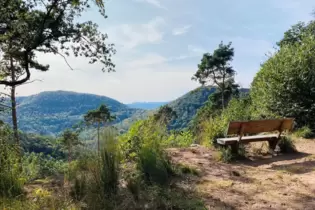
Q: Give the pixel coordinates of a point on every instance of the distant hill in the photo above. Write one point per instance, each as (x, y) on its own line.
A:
(187, 106)
(49, 113)
(146, 105)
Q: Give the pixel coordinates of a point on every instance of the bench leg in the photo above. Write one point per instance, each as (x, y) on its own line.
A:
(272, 144)
(234, 148)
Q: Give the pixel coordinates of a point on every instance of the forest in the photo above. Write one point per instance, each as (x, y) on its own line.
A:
(65, 150)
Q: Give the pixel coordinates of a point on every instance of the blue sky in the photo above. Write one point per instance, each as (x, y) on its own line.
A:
(160, 43)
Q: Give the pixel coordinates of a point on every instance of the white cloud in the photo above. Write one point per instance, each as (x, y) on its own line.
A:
(142, 82)
(181, 30)
(155, 3)
(132, 35)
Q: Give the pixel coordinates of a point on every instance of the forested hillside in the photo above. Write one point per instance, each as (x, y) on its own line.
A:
(48, 113)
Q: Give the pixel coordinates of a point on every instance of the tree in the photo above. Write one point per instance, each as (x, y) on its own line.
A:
(98, 116)
(28, 27)
(215, 69)
(51, 26)
(231, 90)
(284, 86)
(164, 115)
(296, 32)
(68, 140)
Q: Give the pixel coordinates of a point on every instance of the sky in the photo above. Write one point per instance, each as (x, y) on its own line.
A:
(159, 44)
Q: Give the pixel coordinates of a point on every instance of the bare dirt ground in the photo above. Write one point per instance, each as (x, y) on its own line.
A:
(286, 181)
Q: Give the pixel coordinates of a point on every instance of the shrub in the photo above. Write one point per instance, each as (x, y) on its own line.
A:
(226, 155)
(213, 127)
(186, 169)
(39, 165)
(96, 176)
(11, 182)
(285, 84)
(154, 166)
(179, 139)
(286, 145)
(304, 132)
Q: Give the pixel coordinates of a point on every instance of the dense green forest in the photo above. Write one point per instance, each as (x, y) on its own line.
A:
(66, 150)
(49, 113)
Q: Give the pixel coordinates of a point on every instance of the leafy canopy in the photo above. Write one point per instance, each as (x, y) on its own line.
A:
(99, 115)
(28, 27)
(215, 69)
(285, 84)
(296, 32)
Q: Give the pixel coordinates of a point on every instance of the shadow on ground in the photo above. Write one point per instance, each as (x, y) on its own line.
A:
(268, 159)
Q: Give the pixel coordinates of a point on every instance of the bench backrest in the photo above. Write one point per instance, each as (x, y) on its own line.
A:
(260, 126)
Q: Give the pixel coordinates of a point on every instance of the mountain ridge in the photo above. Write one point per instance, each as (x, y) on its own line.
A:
(51, 112)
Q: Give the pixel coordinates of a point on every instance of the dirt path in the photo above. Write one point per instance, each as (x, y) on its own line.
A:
(283, 182)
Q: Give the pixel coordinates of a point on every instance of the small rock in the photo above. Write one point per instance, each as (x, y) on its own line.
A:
(194, 145)
(235, 173)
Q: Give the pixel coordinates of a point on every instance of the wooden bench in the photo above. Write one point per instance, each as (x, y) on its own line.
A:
(245, 130)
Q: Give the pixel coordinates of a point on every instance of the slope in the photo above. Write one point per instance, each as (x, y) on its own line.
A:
(187, 106)
(49, 113)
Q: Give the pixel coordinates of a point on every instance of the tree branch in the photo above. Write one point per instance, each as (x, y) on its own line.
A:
(64, 57)
(18, 82)
(35, 80)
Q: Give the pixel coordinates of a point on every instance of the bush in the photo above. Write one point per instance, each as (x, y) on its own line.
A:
(154, 166)
(304, 132)
(285, 84)
(96, 176)
(11, 182)
(37, 166)
(286, 145)
(186, 169)
(180, 139)
(213, 127)
(226, 155)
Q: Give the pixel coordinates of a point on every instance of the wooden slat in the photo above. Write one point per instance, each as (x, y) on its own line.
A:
(260, 126)
(246, 139)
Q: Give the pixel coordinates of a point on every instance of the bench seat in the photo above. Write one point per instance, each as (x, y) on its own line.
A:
(246, 139)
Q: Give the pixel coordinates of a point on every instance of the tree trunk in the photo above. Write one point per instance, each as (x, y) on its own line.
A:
(222, 95)
(13, 109)
(98, 137)
(69, 155)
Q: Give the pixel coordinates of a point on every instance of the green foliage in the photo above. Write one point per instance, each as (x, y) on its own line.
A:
(296, 33)
(226, 155)
(96, 176)
(10, 180)
(29, 27)
(99, 115)
(304, 132)
(59, 110)
(154, 165)
(208, 128)
(180, 139)
(164, 115)
(69, 139)
(216, 69)
(284, 85)
(186, 106)
(286, 145)
(186, 169)
(36, 166)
